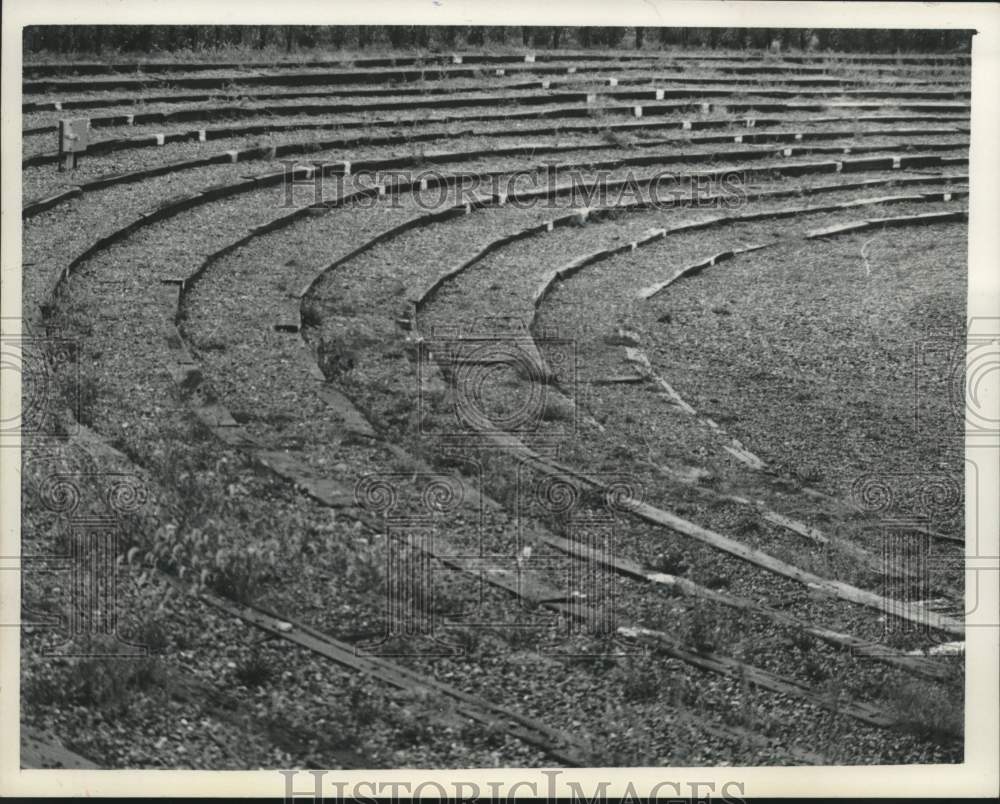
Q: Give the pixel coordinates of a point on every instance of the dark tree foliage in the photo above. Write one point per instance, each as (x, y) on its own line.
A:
(149, 40)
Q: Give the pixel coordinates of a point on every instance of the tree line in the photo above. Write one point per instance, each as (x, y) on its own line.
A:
(152, 39)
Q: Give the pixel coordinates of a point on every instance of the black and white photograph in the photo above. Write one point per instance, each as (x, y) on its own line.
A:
(469, 394)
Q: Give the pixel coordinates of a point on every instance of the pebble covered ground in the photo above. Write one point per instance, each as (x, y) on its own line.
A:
(215, 692)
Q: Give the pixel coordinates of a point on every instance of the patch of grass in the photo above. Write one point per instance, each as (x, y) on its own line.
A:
(254, 671)
(717, 581)
(556, 408)
(684, 692)
(467, 639)
(152, 634)
(928, 711)
(809, 475)
(637, 680)
(334, 358)
(597, 656)
(814, 670)
(705, 630)
(211, 344)
(517, 637)
(670, 563)
(98, 682)
(310, 315)
(79, 392)
(613, 137)
(803, 641)
(748, 526)
(418, 154)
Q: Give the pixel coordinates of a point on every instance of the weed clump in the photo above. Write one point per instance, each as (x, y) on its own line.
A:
(929, 712)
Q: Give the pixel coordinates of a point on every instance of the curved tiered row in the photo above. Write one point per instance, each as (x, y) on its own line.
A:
(301, 359)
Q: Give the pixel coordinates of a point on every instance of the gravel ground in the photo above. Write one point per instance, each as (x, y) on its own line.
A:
(895, 308)
(249, 97)
(145, 419)
(133, 355)
(40, 143)
(139, 349)
(240, 336)
(517, 290)
(309, 562)
(338, 297)
(580, 80)
(44, 180)
(214, 692)
(867, 72)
